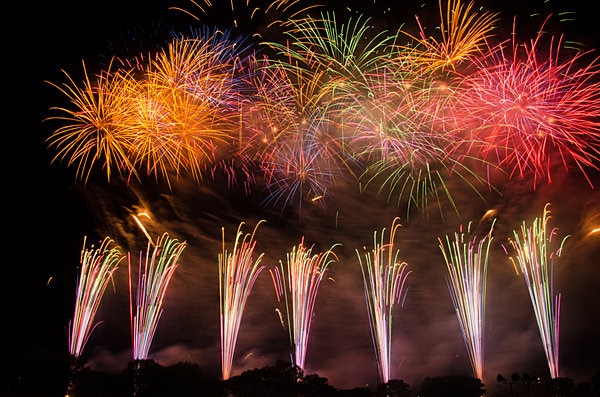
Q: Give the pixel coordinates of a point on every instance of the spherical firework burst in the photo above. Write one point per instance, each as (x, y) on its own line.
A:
(94, 133)
(529, 108)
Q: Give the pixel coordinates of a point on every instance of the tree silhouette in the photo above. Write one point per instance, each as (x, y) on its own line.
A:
(393, 388)
(452, 386)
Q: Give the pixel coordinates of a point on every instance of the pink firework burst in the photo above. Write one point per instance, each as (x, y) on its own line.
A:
(530, 107)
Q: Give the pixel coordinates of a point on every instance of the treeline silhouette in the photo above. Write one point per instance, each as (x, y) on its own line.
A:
(41, 375)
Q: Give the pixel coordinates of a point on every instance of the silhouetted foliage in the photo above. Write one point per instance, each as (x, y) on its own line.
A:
(560, 387)
(355, 392)
(583, 390)
(596, 383)
(452, 386)
(46, 376)
(393, 388)
(281, 380)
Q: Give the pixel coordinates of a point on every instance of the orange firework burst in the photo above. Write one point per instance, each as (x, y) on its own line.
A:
(93, 132)
(464, 34)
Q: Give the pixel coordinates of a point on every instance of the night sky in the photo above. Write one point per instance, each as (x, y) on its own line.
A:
(54, 212)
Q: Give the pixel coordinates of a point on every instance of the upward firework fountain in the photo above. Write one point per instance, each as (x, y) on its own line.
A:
(237, 273)
(298, 282)
(97, 268)
(384, 278)
(155, 270)
(467, 261)
(534, 258)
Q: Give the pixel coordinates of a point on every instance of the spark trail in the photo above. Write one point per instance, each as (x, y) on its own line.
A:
(155, 270)
(384, 279)
(298, 282)
(534, 258)
(97, 268)
(238, 271)
(467, 261)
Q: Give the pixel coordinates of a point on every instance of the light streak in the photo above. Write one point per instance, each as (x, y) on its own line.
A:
(467, 262)
(238, 271)
(298, 283)
(155, 270)
(533, 255)
(384, 278)
(97, 268)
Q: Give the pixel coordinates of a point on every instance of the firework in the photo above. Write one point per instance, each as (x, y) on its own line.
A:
(347, 52)
(298, 282)
(384, 279)
(530, 108)
(467, 261)
(533, 255)
(464, 35)
(155, 270)
(399, 135)
(97, 268)
(93, 134)
(251, 18)
(184, 111)
(292, 137)
(238, 271)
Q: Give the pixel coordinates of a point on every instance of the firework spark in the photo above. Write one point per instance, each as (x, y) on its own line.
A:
(298, 282)
(93, 134)
(384, 279)
(531, 108)
(155, 270)
(250, 17)
(294, 140)
(238, 271)
(467, 261)
(97, 268)
(464, 34)
(534, 256)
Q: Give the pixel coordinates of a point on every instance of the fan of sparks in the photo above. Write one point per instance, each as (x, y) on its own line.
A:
(401, 112)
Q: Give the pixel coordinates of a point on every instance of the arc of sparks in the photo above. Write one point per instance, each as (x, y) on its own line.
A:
(298, 283)
(238, 271)
(534, 258)
(467, 262)
(464, 33)
(155, 270)
(97, 268)
(384, 279)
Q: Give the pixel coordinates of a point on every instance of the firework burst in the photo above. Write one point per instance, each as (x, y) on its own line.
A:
(464, 35)
(530, 108)
(93, 135)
